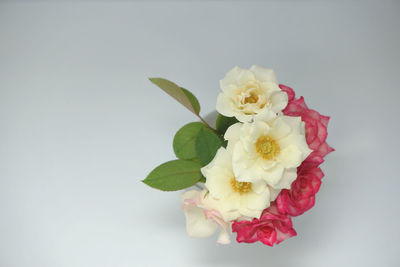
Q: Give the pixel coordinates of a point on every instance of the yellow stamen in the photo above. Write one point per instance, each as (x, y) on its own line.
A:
(253, 98)
(267, 147)
(240, 187)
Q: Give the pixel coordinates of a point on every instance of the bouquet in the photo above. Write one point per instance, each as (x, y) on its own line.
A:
(256, 170)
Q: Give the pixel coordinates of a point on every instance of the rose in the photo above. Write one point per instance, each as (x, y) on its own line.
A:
(232, 198)
(301, 196)
(250, 94)
(272, 228)
(315, 125)
(269, 151)
(202, 219)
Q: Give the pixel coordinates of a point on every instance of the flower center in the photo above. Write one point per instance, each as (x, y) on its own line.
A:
(253, 98)
(240, 187)
(267, 147)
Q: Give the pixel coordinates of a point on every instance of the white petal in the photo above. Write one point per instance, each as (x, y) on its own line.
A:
(242, 164)
(280, 129)
(279, 101)
(240, 116)
(235, 77)
(264, 74)
(244, 76)
(266, 164)
(255, 201)
(265, 114)
(273, 175)
(295, 123)
(218, 174)
(297, 140)
(289, 175)
(224, 105)
(290, 157)
(222, 159)
(224, 238)
(270, 88)
(219, 185)
(250, 132)
(197, 225)
(233, 132)
(230, 77)
(251, 213)
(259, 186)
(231, 215)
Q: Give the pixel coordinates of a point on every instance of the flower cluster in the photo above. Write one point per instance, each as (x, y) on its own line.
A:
(260, 166)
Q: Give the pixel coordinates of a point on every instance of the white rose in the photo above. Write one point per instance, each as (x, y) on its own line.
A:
(251, 94)
(234, 199)
(269, 151)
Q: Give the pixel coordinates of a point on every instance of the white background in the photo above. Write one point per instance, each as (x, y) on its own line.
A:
(81, 126)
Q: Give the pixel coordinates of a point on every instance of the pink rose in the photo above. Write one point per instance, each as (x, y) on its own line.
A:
(301, 196)
(315, 125)
(272, 228)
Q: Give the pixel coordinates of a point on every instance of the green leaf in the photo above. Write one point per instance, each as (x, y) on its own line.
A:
(196, 160)
(193, 100)
(181, 95)
(207, 144)
(223, 123)
(174, 175)
(185, 140)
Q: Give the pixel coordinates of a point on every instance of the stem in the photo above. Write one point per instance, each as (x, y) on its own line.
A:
(207, 125)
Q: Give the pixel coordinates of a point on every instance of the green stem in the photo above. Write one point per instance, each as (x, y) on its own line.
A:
(207, 125)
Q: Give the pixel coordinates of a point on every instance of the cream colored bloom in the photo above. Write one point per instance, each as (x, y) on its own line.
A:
(251, 94)
(234, 199)
(202, 219)
(269, 151)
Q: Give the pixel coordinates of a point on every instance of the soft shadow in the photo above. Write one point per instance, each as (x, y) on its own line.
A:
(211, 118)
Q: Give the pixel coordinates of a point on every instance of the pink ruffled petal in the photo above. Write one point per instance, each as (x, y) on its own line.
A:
(301, 196)
(289, 91)
(315, 127)
(272, 228)
(325, 120)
